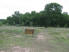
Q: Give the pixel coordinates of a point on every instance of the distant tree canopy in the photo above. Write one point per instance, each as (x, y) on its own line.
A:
(51, 16)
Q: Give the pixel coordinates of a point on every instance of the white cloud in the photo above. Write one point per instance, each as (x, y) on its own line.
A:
(7, 7)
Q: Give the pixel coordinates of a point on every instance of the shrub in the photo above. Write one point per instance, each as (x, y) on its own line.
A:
(1, 23)
(58, 25)
(66, 25)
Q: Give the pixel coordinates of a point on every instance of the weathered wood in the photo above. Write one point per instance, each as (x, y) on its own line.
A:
(29, 31)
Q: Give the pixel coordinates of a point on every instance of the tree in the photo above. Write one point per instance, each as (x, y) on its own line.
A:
(53, 8)
(27, 19)
(66, 19)
(16, 17)
(10, 20)
(51, 16)
(52, 13)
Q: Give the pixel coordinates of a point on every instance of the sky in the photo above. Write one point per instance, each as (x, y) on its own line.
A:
(7, 7)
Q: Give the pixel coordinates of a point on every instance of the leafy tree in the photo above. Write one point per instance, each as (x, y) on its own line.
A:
(52, 14)
(53, 8)
(10, 20)
(16, 17)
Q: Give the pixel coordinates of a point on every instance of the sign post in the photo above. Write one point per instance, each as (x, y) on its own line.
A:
(29, 31)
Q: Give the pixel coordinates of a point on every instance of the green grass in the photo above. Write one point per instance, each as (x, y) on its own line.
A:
(58, 38)
(8, 36)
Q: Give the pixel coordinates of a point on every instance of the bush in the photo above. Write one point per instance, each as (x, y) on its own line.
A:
(1, 23)
(58, 25)
(66, 25)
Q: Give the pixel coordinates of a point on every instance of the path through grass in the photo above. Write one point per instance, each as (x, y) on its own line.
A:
(13, 39)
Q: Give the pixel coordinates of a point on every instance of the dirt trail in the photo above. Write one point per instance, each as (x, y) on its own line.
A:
(41, 42)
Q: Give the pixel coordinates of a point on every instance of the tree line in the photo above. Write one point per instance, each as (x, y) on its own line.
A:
(51, 16)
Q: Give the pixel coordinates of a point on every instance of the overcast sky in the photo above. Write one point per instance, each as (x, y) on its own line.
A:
(7, 7)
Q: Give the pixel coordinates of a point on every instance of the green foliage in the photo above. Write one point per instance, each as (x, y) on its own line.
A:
(53, 8)
(51, 16)
(1, 23)
(58, 25)
(65, 25)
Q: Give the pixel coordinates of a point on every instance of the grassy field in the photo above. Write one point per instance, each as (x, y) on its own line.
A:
(13, 39)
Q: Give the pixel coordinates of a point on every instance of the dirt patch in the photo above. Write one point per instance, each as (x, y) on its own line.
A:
(18, 36)
(17, 49)
(41, 36)
(20, 49)
(2, 51)
(46, 51)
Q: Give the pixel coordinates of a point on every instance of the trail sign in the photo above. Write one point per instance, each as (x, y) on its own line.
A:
(29, 31)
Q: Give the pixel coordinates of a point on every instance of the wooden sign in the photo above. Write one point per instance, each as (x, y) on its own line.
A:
(29, 31)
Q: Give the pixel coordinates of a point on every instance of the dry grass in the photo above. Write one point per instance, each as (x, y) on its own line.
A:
(13, 39)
